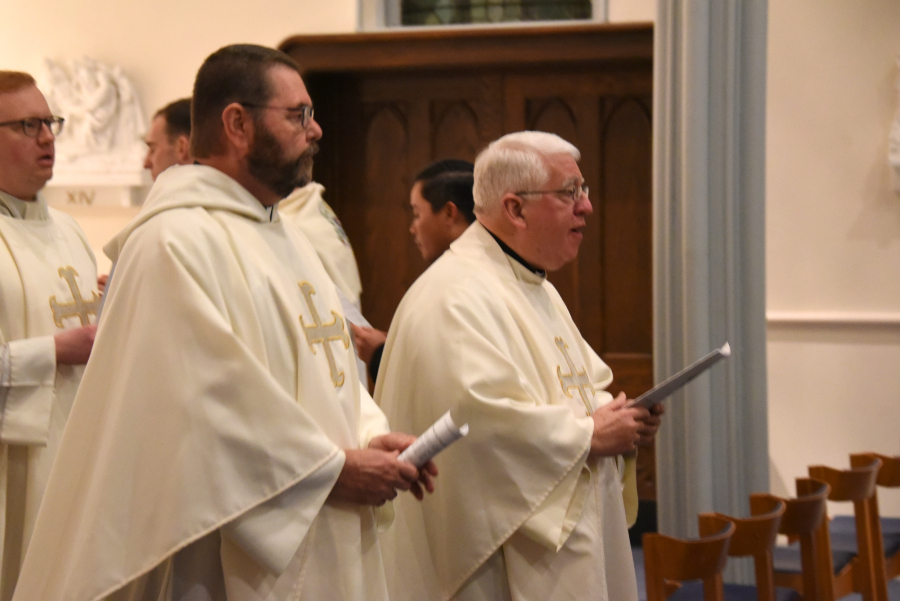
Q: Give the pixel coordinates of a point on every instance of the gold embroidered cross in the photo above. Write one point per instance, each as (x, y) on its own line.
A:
(574, 379)
(81, 308)
(324, 333)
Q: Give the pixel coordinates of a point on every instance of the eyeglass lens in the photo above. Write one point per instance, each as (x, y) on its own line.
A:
(306, 115)
(32, 127)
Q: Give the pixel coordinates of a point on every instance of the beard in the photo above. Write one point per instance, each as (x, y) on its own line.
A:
(267, 162)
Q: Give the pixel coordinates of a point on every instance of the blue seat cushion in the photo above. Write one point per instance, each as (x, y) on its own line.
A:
(787, 559)
(693, 590)
(843, 534)
(847, 523)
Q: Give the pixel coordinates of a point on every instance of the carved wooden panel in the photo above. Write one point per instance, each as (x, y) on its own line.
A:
(625, 198)
(455, 129)
(386, 138)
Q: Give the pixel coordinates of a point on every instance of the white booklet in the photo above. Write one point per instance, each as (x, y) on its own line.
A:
(435, 439)
(112, 270)
(660, 392)
(351, 313)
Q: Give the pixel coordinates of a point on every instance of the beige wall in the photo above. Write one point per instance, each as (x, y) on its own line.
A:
(621, 11)
(833, 236)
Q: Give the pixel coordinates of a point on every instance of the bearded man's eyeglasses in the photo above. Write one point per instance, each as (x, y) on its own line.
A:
(573, 193)
(31, 127)
(301, 114)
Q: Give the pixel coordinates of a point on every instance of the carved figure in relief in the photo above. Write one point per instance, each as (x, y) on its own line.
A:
(104, 120)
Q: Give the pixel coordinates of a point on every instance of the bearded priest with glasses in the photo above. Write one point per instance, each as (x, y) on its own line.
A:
(48, 303)
(222, 447)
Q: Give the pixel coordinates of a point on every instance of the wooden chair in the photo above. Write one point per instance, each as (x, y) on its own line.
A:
(669, 561)
(803, 519)
(863, 572)
(843, 528)
(755, 537)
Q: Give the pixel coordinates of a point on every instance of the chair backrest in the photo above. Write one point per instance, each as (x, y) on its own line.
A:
(804, 518)
(858, 485)
(755, 537)
(868, 517)
(888, 474)
(668, 559)
(888, 477)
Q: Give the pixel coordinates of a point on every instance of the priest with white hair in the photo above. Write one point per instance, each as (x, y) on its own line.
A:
(538, 497)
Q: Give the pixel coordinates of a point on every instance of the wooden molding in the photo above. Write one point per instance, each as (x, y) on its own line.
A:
(472, 47)
(833, 318)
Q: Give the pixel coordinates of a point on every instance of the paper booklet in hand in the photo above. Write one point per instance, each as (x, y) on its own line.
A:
(434, 440)
(112, 270)
(660, 392)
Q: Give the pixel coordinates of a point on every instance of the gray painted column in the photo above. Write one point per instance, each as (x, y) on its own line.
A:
(709, 254)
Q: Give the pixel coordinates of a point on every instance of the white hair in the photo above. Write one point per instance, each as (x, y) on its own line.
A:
(514, 163)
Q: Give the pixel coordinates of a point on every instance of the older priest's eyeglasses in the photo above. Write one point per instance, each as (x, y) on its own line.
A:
(304, 114)
(31, 127)
(572, 193)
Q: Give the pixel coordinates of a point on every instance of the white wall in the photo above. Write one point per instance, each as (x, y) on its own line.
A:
(622, 11)
(833, 236)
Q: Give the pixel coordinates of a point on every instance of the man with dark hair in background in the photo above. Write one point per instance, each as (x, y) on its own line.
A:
(442, 208)
(169, 137)
(222, 447)
(48, 298)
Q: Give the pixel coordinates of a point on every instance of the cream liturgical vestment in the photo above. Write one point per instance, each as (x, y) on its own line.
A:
(306, 208)
(522, 512)
(48, 283)
(208, 429)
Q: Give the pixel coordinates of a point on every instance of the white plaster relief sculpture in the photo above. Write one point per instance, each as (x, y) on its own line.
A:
(894, 141)
(104, 121)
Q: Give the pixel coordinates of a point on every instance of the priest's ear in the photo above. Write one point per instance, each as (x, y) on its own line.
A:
(237, 126)
(511, 206)
(450, 212)
(183, 150)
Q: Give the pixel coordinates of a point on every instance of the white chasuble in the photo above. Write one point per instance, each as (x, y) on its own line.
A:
(306, 209)
(208, 429)
(520, 511)
(48, 284)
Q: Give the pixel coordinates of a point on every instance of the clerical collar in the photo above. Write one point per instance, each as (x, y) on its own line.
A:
(11, 206)
(505, 247)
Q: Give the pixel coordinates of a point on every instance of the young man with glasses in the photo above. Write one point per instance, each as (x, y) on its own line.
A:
(533, 505)
(223, 447)
(48, 301)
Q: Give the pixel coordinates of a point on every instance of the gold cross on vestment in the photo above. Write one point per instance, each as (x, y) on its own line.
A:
(324, 333)
(81, 308)
(574, 379)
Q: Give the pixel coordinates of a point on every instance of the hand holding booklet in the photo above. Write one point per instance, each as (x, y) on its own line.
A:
(434, 440)
(660, 392)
